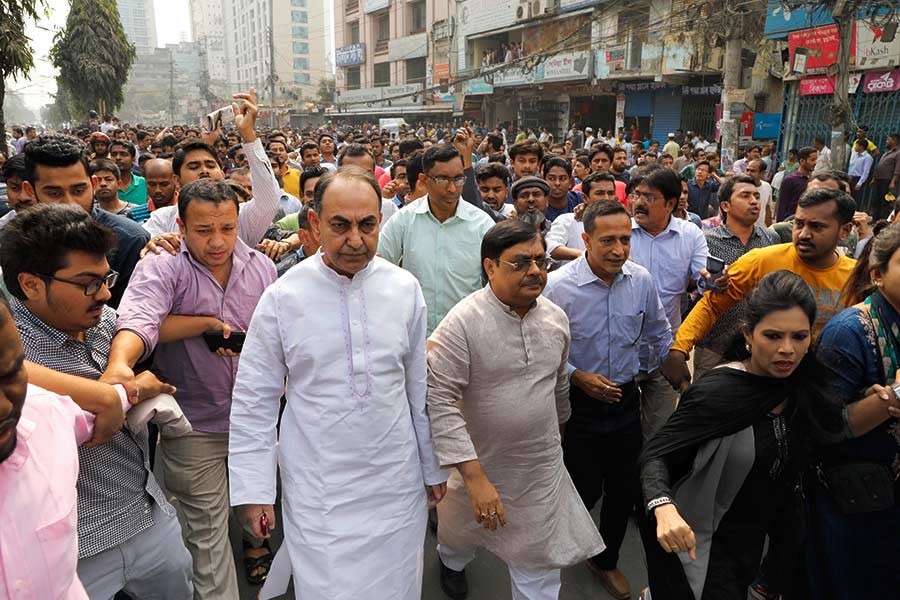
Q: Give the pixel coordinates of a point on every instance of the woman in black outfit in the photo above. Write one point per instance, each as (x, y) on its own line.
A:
(726, 470)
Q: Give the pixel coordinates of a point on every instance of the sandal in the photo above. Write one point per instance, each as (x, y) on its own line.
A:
(256, 569)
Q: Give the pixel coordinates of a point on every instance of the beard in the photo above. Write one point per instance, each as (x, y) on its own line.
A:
(535, 218)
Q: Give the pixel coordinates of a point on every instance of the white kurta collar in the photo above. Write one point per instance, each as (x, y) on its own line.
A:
(336, 277)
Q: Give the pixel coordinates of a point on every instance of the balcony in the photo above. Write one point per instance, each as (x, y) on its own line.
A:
(351, 6)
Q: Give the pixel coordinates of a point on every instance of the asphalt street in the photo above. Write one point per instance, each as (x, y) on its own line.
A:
(487, 575)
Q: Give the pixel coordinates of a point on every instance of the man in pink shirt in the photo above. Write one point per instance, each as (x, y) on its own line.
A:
(39, 437)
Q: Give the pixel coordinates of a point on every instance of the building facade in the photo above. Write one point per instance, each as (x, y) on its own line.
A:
(298, 32)
(208, 33)
(388, 52)
(139, 22)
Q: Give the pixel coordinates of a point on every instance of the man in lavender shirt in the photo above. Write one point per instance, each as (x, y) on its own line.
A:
(211, 284)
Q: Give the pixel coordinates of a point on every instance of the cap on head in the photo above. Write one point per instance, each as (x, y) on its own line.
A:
(528, 182)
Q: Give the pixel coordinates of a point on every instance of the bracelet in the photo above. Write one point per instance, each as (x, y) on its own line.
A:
(657, 502)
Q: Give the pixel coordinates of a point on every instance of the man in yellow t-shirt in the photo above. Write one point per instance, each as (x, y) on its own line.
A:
(824, 218)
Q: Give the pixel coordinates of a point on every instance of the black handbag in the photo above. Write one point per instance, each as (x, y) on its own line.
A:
(859, 487)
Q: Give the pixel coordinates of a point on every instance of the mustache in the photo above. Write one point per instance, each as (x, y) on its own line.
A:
(535, 218)
(533, 280)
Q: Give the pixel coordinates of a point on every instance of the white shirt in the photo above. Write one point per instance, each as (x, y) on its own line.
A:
(823, 162)
(566, 232)
(254, 217)
(765, 199)
(702, 144)
(355, 444)
(589, 142)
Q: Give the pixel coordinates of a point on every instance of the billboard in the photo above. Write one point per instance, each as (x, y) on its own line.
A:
(812, 51)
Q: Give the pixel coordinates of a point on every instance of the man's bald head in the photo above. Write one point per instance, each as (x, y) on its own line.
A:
(161, 184)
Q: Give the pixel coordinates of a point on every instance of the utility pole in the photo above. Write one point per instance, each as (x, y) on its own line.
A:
(272, 59)
(171, 87)
(731, 79)
(840, 111)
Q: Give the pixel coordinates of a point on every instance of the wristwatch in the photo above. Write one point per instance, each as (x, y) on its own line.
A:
(896, 387)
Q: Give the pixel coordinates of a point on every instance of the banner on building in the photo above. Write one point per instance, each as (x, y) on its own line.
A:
(620, 111)
(817, 86)
(882, 82)
(766, 126)
(477, 87)
(615, 57)
(871, 51)
(441, 79)
(348, 56)
(714, 89)
(781, 20)
(812, 51)
(746, 125)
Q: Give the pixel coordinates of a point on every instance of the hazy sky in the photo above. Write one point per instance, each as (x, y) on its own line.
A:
(172, 21)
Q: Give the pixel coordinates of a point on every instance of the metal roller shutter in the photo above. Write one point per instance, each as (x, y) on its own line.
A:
(666, 113)
(638, 104)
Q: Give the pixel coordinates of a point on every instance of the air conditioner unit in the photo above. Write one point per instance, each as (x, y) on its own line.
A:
(524, 10)
(544, 7)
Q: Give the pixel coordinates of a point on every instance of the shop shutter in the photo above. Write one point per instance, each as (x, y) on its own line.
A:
(638, 104)
(666, 113)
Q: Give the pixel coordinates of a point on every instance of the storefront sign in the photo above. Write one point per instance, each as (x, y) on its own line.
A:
(477, 87)
(370, 6)
(442, 30)
(701, 90)
(882, 82)
(570, 66)
(766, 126)
(811, 51)
(348, 56)
(780, 20)
(476, 16)
(746, 128)
(513, 76)
(871, 51)
(643, 86)
(817, 86)
(396, 95)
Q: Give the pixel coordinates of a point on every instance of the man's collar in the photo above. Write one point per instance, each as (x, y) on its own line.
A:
(462, 213)
(585, 275)
(58, 337)
(670, 226)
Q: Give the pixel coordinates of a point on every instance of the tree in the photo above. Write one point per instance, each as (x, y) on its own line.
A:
(16, 54)
(93, 55)
(325, 93)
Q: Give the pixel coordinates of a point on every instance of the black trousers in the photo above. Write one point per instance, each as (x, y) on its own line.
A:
(881, 209)
(604, 465)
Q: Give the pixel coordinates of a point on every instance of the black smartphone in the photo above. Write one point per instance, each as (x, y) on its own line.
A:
(714, 265)
(215, 340)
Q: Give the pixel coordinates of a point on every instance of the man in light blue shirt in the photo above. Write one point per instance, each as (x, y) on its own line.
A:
(614, 312)
(675, 253)
(437, 238)
(860, 167)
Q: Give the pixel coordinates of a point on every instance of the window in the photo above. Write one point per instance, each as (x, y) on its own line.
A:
(300, 31)
(353, 78)
(383, 29)
(301, 48)
(298, 16)
(301, 64)
(382, 74)
(301, 77)
(417, 20)
(415, 70)
(298, 3)
(353, 30)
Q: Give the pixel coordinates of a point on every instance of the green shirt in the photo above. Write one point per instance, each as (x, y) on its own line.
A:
(289, 223)
(136, 192)
(444, 257)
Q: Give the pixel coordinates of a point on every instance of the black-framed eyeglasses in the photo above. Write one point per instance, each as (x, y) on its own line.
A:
(92, 287)
(444, 181)
(523, 265)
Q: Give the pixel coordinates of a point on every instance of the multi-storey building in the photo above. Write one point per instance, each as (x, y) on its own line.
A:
(298, 34)
(139, 22)
(208, 32)
(387, 53)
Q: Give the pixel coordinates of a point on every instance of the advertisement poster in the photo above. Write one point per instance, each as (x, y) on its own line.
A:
(620, 111)
(882, 82)
(819, 46)
(871, 51)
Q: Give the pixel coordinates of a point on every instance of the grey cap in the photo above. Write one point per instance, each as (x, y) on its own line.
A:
(528, 182)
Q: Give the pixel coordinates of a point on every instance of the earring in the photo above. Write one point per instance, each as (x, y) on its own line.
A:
(749, 349)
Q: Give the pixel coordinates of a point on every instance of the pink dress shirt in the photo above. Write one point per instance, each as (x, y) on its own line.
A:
(39, 539)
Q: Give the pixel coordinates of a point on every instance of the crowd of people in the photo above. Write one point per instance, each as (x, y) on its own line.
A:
(331, 331)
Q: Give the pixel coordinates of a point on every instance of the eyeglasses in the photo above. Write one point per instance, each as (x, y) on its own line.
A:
(444, 181)
(523, 265)
(240, 157)
(92, 287)
(639, 196)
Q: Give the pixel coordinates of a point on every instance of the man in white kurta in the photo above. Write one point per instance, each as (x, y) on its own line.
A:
(498, 393)
(347, 331)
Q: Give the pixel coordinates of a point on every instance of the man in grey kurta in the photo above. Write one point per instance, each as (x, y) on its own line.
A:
(498, 421)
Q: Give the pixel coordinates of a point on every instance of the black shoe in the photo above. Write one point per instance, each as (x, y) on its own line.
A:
(454, 583)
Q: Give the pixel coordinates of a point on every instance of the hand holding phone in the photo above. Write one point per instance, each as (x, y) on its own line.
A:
(714, 265)
(216, 340)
